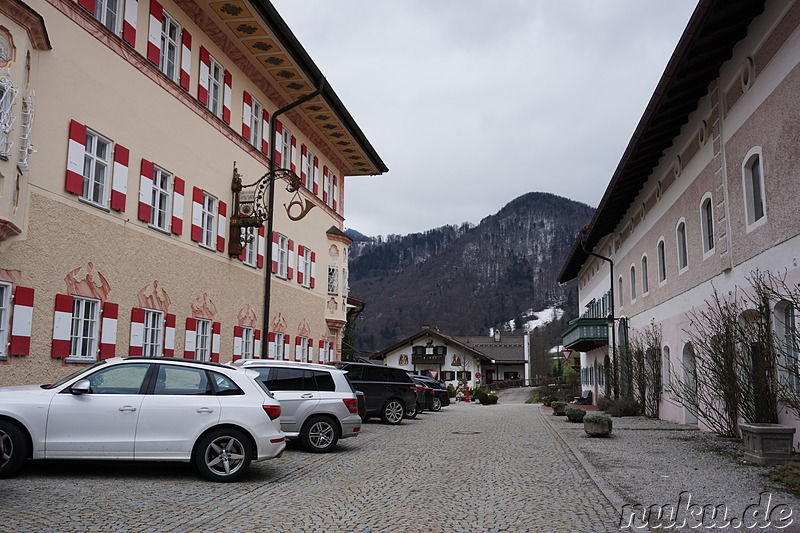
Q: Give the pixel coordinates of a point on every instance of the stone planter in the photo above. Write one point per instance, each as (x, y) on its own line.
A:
(559, 408)
(597, 425)
(767, 444)
(575, 414)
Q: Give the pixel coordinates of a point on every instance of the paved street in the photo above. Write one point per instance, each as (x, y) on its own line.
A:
(468, 468)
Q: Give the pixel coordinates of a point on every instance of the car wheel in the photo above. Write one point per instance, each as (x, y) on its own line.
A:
(223, 455)
(13, 448)
(437, 404)
(392, 412)
(411, 412)
(319, 435)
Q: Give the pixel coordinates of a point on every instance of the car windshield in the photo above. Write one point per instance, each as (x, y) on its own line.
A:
(74, 374)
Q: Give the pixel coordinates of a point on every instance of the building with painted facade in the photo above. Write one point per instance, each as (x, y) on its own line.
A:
(122, 123)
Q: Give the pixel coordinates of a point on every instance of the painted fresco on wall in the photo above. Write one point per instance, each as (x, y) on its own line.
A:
(87, 282)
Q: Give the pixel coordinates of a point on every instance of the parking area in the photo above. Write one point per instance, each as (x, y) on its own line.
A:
(465, 468)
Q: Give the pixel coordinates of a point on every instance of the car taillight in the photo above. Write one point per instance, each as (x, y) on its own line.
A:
(420, 388)
(273, 411)
(352, 405)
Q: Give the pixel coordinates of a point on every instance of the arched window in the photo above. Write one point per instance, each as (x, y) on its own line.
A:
(662, 262)
(666, 369)
(680, 234)
(633, 283)
(753, 176)
(619, 290)
(645, 282)
(707, 225)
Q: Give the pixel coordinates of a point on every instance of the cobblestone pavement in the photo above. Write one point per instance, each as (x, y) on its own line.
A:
(467, 468)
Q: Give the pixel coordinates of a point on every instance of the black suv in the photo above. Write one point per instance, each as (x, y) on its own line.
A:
(441, 398)
(390, 392)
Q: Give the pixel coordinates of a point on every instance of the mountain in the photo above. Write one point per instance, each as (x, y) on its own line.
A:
(466, 279)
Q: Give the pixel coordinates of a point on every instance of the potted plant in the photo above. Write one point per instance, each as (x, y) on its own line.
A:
(597, 425)
(559, 408)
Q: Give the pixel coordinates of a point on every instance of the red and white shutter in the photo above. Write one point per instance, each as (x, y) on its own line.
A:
(169, 335)
(265, 132)
(216, 329)
(238, 332)
(197, 215)
(108, 330)
(257, 343)
(178, 188)
(261, 248)
(191, 338)
(325, 193)
(202, 83)
(335, 194)
(62, 325)
(301, 270)
(293, 152)
(286, 339)
(88, 5)
(290, 261)
(22, 322)
(316, 175)
(274, 252)
(75, 155)
(226, 98)
(310, 350)
(243, 253)
(137, 331)
(119, 181)
(221, 224)
(298, 346)
(247, 110)
(303, 165)
(146, 191)
(330, 351)
(313, 278)
(186, 58)
(272, 346)
(129, 21)
(276, 149)
(154, 33)
(322, 357)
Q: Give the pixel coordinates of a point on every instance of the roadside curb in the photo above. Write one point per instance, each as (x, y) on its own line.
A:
(610, 494)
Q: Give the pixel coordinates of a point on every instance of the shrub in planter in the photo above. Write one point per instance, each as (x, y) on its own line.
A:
(597, 425)
(559, 408)
(574, 414)
(625, 406)
(488, 399)
(476, 395)
(548, 400)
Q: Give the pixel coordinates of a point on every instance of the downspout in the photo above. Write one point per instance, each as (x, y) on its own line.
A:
(270, 207)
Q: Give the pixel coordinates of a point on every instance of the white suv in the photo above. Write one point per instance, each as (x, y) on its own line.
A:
(148, 409)
(318, 404)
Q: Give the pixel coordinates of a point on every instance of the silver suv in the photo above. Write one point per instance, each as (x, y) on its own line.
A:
(318, 404)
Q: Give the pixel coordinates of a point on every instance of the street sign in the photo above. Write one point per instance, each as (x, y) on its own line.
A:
(478, 375)
(566, 354)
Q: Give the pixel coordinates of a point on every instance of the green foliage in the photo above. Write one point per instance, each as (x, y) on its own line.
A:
(575, 414)
(604, 402)
(477, 394)
(594, 418)
(488, 399)
(788, 475)
(548, 400)
(625, 406)
(451, 390)
(559, 408)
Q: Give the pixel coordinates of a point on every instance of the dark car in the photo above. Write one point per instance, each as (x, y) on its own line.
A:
(390, 392)
(440, 396)
(425, 395)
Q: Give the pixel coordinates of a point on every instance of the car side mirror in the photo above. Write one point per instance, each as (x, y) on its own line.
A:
(81, 387)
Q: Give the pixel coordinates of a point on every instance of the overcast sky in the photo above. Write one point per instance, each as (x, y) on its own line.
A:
(472, 103)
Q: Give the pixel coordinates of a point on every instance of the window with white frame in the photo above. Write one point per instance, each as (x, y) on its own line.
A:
(309, 169)
(302, 349)
(108, 13)
(85, 328)
(619, 289)
(645, 281)
(96, 165)
(333, 279)
(328, 187)
(753, 174)
(153, 333)
(787, 320)
(208, 219)
(256, 119)
(8, 94)
(305, 266)
(250, 247)
(680, 235)
(279, 344)
(170, 47)
(216, 75)
(633, 282)
(247, 343)
(707, 225)
(202, 350)
(5, 313)
(662, 262)
(286, 148)
(161, 199)
(283, 256)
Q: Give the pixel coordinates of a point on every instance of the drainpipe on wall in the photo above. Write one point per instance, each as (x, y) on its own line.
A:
(270, 217)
